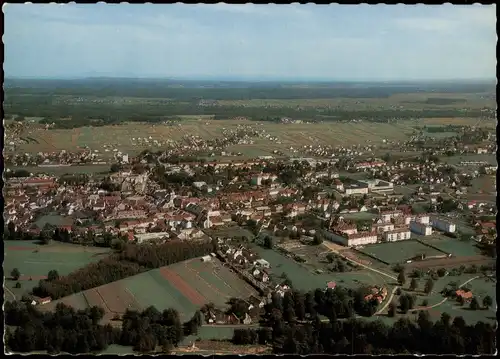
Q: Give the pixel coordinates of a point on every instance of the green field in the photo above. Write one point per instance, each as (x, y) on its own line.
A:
(58, 171)
(304, 279)
(214, 281)
(151, 289)
(456, 247)
(398, 252)
(62, 257)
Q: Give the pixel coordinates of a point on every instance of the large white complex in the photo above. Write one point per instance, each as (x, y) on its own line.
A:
(399, 234)
(420, 228)
(443, 225)
(377, 185)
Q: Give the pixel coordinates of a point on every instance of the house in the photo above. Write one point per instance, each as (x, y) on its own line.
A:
(262, 263)
(467, 296)
(331, 285)
(206, 259)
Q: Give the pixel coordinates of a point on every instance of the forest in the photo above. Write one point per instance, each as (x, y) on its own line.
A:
(78, 331)
(99, 102)
(294, 326)
(316, 322)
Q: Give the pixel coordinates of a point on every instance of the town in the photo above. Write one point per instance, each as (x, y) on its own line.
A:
(249, 179)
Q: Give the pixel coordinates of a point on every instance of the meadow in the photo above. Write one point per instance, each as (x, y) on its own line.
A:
(34, 261)
(184, 286)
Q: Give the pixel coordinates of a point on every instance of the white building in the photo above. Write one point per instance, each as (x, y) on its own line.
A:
(150, 236)
(397, 235)
(377, 185)
(352, 240)
(262, 263)
(386, 216)
(383, 227)
(420, 228)
(355, 189)
(443, 225)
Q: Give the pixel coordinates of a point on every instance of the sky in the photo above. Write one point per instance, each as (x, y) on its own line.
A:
(320, 42)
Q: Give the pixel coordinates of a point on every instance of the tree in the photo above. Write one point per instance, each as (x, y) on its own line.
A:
(392, 310)
(429, 285)
(441, 272)
(268, 242)
(487, 302)
(474, 304)
(52, 275)
(18, 285)
(401, 278)
(413, 284)
(404, 304)
(318, 239)
(15, 274)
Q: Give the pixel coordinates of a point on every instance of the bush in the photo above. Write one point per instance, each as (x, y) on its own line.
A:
(18, 285)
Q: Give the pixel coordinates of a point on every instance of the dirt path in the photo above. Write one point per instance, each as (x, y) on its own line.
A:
(445, 299)
(334, 249)
(10, 292)
(388, 300)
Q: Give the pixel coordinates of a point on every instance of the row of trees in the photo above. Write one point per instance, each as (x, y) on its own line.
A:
(78, 331)
(132, 260)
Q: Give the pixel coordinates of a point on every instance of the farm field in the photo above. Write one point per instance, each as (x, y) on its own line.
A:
(124, 138)
(35, 261)
(303, 279)
(90, 169)
(398, 252)
(184, 286)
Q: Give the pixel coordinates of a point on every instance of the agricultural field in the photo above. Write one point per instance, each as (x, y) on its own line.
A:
(58, 171)
(230, 232)
(184, 286)
(125, 138)
(398, 252)
(35, 261)
(407, 100)
(304, 279)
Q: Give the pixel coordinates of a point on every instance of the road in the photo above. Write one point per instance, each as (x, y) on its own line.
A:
(388, 301)
(445, 299)
(10, 292)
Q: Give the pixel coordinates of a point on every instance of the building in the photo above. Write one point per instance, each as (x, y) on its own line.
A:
(145, 237)
(443, 225)
(356, 188)
(399, 234)
(377, 185)
(206, 259)
(262, 263)
(352, 240)
(420, 228)
(386, 216)
(467, 296)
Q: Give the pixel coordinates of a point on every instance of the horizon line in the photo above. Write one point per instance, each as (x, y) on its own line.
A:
(249, 79)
